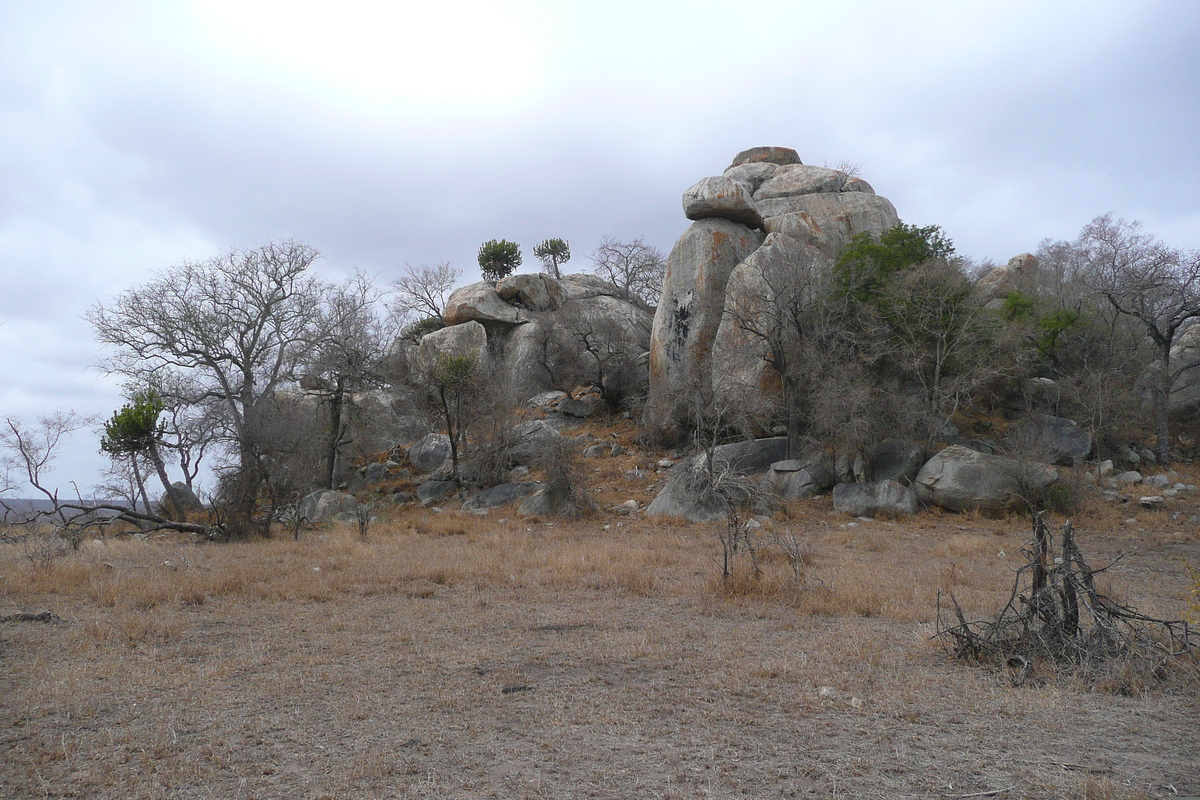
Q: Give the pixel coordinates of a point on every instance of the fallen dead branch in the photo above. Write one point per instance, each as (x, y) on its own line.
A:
(1057, 615)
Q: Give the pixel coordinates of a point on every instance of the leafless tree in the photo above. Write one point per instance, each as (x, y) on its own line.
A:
(29, 450)
(1156, 286)
(238, 327)
(635, 267)
(349, 356)
(601, 344)
(779, 306)
(937, 332)
(1069, 334)
(27, 454)
(421, 292)
(123, 481)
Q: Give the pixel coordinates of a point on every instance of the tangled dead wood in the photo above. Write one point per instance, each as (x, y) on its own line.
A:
(1057, 614)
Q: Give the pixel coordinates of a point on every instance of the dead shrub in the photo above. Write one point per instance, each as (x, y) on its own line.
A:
(1059, 614)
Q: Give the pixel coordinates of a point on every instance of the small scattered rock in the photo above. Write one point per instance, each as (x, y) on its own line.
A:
(1152, 501)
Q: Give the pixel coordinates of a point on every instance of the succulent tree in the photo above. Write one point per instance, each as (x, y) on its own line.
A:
(499, 258)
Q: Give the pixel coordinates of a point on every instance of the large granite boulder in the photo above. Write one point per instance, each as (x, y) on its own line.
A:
(801, 179)
(869, 499)
(435, 491)
(466, 338)
(481, 302)
(536, 292)
(1055, 440)
(532, 442)
(1185, 393)
(755, 298)
(801, 478)
(961, 479)
(721, 197)
(837, 216)
(429, 453)
(500, 495)
(801, 227)
(325, 504)
(547, 352)
(686, 494)
(768, 155)
(999, 282)
(559, 499)
(896, 460)
(751, 456)
(752, 174)
(582, 286)
(688, 316)
(181, 497)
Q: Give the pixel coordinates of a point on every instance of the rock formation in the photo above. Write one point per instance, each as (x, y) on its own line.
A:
(766, 207)
(530, 328)
(999, 282)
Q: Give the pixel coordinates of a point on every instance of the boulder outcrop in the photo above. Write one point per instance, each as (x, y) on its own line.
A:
(480, 302)
(534, 331)
(1185, 393)
(802, 478)
(781, 156)
(536, 292)
(960, 479)
(1055, 440)
(685, 494)
(468, 338)
(869, 499)
(429, 453)
(999, 282)
(766, 201)
(325, 504)
(688, 316)
(836, 216)
(741, 375)
(721, 197)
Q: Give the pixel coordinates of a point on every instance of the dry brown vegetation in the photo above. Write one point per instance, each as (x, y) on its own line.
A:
(453, 655)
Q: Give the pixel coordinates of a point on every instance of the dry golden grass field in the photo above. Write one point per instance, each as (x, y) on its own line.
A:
(450, 655)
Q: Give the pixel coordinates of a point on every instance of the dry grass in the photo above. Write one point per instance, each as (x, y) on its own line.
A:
(336, 667)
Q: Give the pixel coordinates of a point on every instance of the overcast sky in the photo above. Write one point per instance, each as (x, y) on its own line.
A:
(136, 135)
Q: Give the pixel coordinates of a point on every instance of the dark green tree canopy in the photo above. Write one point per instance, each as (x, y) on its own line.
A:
(135, 427)
(867, 263)
(553, 253)
(499, 258)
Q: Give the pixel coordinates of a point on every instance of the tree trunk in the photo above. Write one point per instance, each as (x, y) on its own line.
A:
(793, 418)
(1162, 425)
(141, 484)
(161, 468)
(335, 432)
(1162, 407)
(451, 429)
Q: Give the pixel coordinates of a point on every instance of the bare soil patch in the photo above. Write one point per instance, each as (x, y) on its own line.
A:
(451, 655)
